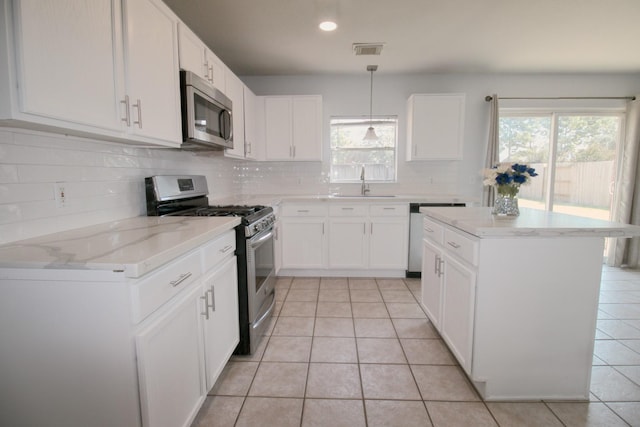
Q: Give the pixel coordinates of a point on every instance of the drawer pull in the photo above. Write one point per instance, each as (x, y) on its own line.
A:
(180, 279)
(389, 209)
(303, 210)
(428, 230)
(213, 298)
(347, 209)
(226, 249)
(454, 245)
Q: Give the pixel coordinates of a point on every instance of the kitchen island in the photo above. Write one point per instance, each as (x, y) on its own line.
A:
(516, 299)
(127, 323)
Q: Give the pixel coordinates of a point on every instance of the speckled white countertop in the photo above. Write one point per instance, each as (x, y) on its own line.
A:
(531, 223)
(135, 245)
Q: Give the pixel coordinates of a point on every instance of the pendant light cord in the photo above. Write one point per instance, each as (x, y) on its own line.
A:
(371, 101)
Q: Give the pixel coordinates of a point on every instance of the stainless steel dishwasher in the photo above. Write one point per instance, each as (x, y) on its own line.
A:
(415, 236)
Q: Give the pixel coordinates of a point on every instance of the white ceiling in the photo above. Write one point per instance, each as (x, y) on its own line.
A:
(281, 37)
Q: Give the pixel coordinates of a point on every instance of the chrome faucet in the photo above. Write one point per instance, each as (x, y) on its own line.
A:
(364, 188)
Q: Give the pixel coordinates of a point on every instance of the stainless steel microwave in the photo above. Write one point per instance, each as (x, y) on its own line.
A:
(207, 120)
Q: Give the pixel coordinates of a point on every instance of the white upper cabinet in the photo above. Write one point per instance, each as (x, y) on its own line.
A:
(151, 60)
(435, 126)
(235, 92)
(66, 58)
(293, 127)
(253, 117)
(91, 68)
(196, 57)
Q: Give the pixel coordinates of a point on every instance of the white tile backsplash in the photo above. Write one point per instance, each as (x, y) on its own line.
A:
(105, 181)
(102, 181)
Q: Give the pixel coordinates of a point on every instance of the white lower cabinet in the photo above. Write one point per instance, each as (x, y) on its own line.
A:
(345, 237)
(518, 312)
(448, 288)
(221, 327)
(170, 363)
(458, 306)
(348, 242)
(303, 242)
(108, 350)
(431, 292)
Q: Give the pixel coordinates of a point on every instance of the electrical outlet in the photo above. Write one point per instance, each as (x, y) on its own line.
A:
(60, 195)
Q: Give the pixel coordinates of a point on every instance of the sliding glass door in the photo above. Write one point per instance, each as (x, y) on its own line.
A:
(575, 155)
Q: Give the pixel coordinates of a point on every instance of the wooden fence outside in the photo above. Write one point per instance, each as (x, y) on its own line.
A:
(580, 183)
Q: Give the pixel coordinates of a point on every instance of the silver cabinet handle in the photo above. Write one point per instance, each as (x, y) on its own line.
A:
(127, 111)
(226, 249)
(138, 105)
(364, 228)
(213, 298)
(294, 151)
(347, 209)
(454, 245)
(440, 267)
(211, 74)
(205, 313)
(248, 148)
(180, 279)
(428, 230)
(303, 210)
(206, 69)
(389, 209)
(436, 265)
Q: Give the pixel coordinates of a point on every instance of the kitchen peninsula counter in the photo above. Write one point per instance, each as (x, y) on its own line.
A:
(516, 300)
(135, 245)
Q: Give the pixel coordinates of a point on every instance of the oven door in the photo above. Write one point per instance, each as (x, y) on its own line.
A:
(260, 282)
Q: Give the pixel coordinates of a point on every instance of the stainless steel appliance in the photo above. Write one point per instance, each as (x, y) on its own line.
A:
(207, 121)
(415, 236)
(187, 196)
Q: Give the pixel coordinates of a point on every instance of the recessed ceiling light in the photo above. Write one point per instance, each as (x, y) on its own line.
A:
(328, 26)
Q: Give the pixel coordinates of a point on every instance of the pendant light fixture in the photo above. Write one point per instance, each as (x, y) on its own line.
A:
(371, 132)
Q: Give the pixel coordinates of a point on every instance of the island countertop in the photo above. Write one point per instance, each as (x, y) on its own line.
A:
(479, 222)
(134, 246)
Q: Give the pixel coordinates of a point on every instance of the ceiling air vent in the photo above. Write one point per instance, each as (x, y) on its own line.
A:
(367, 48)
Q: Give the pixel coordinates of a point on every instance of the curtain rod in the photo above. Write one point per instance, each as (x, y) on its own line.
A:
(628, 98)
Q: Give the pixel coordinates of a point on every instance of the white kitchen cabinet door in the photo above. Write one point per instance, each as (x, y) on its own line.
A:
(303, 242)
(217, 71)
(307, 128)
(235, 91)
(254, 144)
(68, 61)
(458, 308)
(431, 282)
(221, 329)
(278, 127)
(170, 363)
(293, 127)
(348, 242)
(389, 243)
(191, 51)
(435, 126)
(151, 61)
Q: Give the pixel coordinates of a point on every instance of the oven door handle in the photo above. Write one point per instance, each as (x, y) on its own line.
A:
(258, 242)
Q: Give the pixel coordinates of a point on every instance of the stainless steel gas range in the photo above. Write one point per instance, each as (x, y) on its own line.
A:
(186, 195)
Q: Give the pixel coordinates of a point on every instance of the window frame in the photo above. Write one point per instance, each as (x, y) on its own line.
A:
(364, 121)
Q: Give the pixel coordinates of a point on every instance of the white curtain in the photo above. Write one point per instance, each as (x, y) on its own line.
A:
(493, 156)
(626, 203)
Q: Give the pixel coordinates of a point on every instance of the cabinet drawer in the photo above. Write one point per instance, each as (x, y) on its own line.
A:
(304, 210)
(433, 231)
(217, 250)
(349, 210)
(465, 248)
(390, 210)
(151, 292)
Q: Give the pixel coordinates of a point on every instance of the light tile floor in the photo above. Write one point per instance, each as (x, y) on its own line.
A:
(360, 352)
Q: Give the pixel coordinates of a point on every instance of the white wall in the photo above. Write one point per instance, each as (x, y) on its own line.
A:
(349, 95)
(103, 181)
